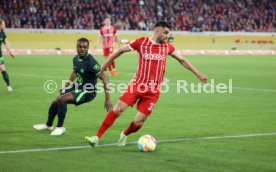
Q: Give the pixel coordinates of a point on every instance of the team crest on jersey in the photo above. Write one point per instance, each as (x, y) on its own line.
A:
(81, 70)
(96, 67)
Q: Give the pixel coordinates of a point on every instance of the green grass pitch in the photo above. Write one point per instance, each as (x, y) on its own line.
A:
(250, 109)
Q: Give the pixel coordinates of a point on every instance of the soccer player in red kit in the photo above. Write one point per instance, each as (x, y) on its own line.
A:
(108, 35)
(144, 88)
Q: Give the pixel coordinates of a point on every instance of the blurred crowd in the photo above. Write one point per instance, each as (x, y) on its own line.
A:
(183, 15)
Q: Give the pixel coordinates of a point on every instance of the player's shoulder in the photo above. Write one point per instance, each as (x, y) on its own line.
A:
(3, 33)
(141, 39)
(91, 58)
(169, 44)
(75, 57)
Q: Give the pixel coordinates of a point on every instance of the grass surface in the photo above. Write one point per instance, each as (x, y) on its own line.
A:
(250, 109)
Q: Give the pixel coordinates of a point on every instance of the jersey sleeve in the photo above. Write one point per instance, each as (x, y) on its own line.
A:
(172, 50)
(135, 45)
(95, 67)
(4, 37)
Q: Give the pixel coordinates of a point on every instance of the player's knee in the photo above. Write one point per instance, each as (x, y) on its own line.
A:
(118, 110)
(55, 101)
(60, 100)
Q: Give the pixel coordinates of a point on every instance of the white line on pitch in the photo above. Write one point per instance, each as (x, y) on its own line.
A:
(130, 143)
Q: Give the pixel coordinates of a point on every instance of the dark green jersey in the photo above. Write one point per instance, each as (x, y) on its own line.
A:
(2, 39)
(87, 70)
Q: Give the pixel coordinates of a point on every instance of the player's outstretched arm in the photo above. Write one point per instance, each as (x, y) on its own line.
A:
(184, 62)
(107, 104)
(8, 48)
(100, 38)
(117, 39)
(113, 56)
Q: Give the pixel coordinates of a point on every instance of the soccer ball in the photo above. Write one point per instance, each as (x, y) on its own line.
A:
(146, 143)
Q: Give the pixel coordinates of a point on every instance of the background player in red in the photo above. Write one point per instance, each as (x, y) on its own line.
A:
(144, 88)
(108, 35)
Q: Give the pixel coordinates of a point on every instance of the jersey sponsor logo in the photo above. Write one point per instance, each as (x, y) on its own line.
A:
(154, 57)
(108, 34)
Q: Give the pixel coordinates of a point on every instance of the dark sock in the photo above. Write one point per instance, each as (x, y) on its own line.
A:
(53, 110)
(62, 109)
(6, 78)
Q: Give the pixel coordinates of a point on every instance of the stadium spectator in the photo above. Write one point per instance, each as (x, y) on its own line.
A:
(182, 15)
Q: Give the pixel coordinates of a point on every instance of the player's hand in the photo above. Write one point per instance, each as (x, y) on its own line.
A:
(12, 55)
(108, 105)
(203, 78)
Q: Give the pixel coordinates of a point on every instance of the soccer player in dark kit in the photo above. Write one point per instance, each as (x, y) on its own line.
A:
(86, 70)
(3, 39)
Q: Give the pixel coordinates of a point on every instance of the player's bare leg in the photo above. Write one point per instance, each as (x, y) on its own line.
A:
(109, 68)
(5, 76)
(108, 121)
(134, 126)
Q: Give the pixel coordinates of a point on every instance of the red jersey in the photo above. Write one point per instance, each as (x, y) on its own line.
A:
(152, 61)
(108, 34)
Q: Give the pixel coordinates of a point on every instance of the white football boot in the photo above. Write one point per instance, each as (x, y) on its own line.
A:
(122, 140)
(9, 88)
(43, 127)
(93, 141)
(58, 131)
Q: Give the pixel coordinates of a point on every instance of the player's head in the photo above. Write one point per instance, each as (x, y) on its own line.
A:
(2, 24)
(161, 31)
(107, 21)
(82, 47)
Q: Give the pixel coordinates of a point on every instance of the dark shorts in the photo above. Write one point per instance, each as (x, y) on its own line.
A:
(80, 95)
(1, 60)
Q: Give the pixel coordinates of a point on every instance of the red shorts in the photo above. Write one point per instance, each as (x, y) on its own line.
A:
(108, 51)
(144, 95)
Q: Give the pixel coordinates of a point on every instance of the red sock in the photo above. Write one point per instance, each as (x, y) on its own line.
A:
(113, 64)
(108, 121)
(132, 128)
(110, 67)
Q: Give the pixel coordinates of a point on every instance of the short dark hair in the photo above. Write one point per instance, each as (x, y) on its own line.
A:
(162, 24)
(83, 40)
